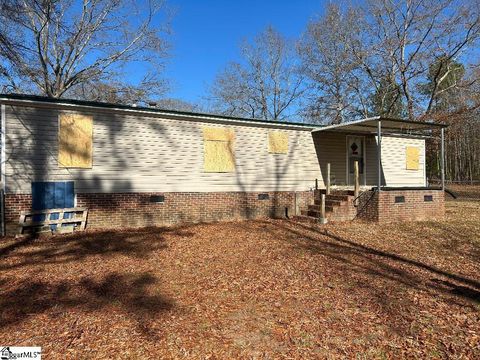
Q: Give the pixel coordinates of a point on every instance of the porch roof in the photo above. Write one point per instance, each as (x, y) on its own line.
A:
(389, 125)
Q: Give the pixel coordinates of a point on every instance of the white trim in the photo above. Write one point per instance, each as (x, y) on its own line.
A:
(2, 150)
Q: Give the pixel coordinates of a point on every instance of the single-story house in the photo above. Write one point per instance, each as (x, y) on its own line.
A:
(140, 166)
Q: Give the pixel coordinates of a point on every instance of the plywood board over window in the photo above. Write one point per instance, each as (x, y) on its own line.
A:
(277, 142)
(219, 153)
(413, 157)
(75, 141)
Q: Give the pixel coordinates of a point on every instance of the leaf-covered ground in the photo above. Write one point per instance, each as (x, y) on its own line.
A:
(253, 289)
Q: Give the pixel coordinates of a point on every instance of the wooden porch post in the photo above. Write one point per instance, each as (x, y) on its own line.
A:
(328, 178)
(357, 180)
(323, 218)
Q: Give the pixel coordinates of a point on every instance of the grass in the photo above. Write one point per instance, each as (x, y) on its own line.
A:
(253, 289)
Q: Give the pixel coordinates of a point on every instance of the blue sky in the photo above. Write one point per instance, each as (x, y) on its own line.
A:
(206, 35)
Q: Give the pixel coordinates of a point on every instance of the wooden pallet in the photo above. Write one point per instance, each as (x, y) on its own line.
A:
(78, 219)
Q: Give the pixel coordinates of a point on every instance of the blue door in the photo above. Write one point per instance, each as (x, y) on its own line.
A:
(52, 195)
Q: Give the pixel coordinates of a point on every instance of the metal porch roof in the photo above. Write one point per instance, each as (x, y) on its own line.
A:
(388, 125)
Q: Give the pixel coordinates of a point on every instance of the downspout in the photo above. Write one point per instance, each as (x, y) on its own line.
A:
(2, 169)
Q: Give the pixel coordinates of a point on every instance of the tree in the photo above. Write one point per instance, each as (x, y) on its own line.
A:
(386, 100)
(409, 34)
(330, 67)
(52, 47)
(443, 83)
(265, 85)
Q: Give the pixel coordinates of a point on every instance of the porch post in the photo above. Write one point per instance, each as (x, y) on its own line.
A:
(379, 154)
(328, 179)
(442, 160)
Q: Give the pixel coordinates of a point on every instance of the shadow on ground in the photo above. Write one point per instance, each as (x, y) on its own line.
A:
(355, 258)
(137, 293)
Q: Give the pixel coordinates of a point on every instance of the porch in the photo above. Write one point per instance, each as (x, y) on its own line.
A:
(375, 169)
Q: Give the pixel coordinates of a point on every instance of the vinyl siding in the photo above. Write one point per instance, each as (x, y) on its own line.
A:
(133, 153)
(394, 162)
(331, 147)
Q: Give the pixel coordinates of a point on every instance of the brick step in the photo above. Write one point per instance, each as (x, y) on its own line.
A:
(315, 213)
(332, 202)
(305, 218)
(319, 207)
(339, 197)
(335, 192)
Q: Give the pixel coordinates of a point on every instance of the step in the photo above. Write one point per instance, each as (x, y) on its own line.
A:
(339, 197)
(335, 192)
(305, 218)
(332, 202)
(319, 207)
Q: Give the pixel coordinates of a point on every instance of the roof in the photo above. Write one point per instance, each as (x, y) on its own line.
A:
(364, 126)
(35, 99)
(388, 125)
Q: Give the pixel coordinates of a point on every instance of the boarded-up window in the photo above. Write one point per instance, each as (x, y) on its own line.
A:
(75, 138)
(413, 158)
(219, 153)
(277, 142)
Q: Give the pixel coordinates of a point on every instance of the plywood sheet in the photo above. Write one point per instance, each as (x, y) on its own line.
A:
(218, 156)
(218, 134)
(413, 157)
(277, 142)
(75, 141)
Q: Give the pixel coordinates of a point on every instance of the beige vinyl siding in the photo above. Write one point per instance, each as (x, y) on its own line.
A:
(331, 148)
(372, 162)
(136, 153)
(394, 161)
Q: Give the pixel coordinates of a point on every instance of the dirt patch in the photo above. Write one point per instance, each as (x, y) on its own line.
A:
(252, 289)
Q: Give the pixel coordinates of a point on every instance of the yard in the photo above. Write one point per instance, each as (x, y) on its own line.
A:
(253, 289)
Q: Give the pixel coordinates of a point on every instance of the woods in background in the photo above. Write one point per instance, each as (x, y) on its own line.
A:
(413, 59)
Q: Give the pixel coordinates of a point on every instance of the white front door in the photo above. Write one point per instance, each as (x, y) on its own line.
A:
(355, 152)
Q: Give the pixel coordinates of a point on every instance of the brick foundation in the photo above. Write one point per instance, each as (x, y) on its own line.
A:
(108, 210)
(384, 209)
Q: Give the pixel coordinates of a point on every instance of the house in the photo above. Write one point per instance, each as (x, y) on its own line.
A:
(134, 166)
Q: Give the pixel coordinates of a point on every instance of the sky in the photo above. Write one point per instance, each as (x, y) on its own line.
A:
(206, 35)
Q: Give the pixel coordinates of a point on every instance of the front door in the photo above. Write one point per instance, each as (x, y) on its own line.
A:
(355, 152)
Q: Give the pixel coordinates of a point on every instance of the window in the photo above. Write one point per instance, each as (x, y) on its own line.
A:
(277, 142)
(263, 197)
(428, 198)
(75, 141)
(399, 199)
(218, 149)
(413, 158)
(157, 199)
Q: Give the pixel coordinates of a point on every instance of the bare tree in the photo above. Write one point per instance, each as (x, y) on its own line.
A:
(266, 85)
(336, 91)
(51, 47)
(412, 34)
(376, 56)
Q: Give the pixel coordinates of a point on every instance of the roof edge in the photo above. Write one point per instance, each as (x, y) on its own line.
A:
(380, 118)
(142, 109)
